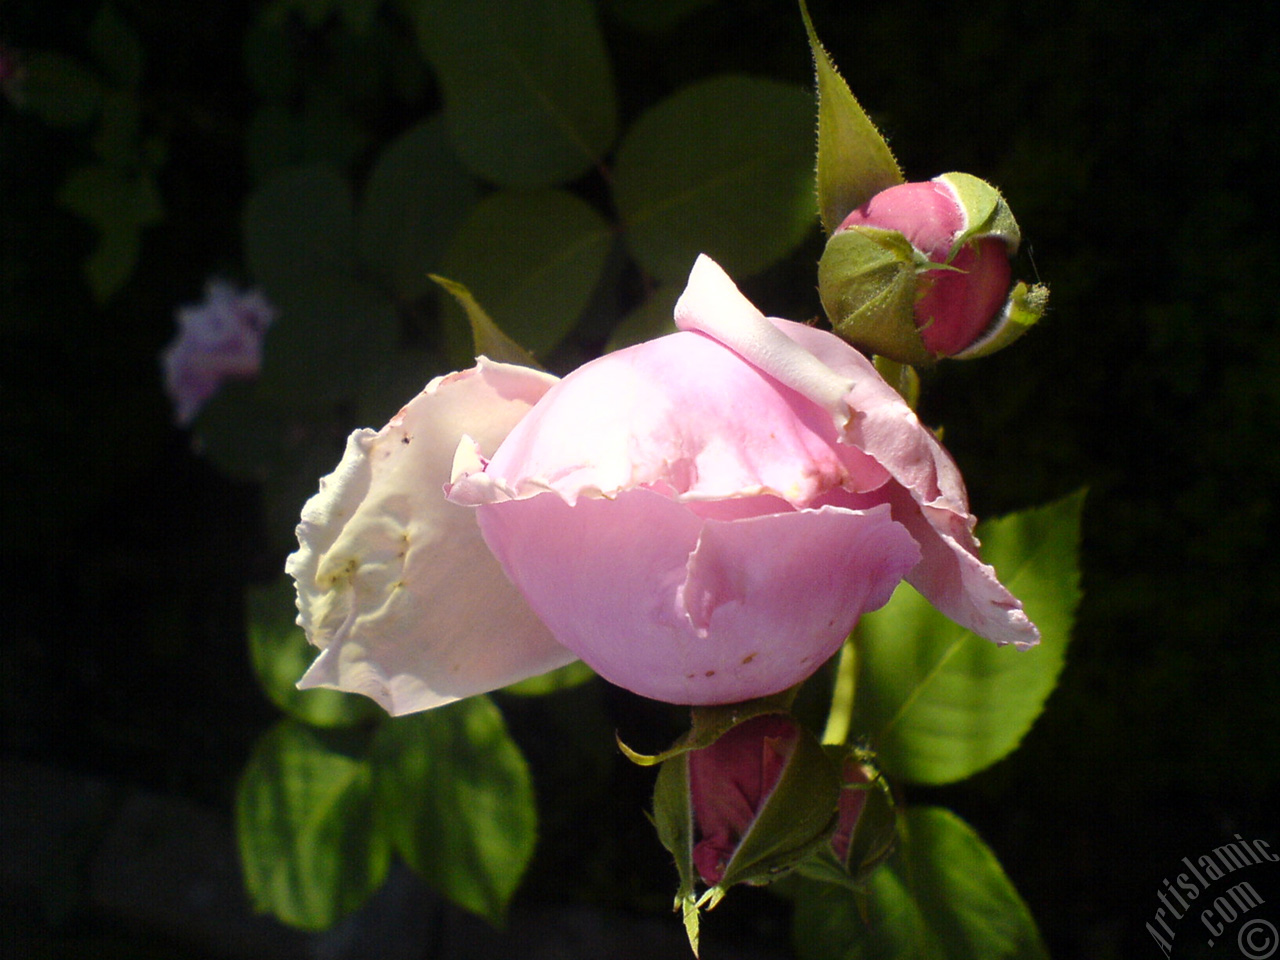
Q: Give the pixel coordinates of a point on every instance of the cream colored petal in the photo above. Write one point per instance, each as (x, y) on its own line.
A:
(395, 583)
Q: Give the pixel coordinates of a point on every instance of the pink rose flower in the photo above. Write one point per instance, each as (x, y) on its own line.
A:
(701, 518)
(954, 306)
(218, 339)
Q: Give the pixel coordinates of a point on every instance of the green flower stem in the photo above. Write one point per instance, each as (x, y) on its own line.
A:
(842, 697)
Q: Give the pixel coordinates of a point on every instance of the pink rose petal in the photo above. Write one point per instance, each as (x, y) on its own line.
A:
(930, 499)
(676, 608)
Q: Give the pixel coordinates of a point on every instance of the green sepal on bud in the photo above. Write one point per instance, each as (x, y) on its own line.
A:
(867, 283)
(985, 211)
(867, 828)
(1026, 305)
(710, 723)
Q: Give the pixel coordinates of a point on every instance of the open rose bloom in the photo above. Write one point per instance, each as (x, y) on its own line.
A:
(701, 518)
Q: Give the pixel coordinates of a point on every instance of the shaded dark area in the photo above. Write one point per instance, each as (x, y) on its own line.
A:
(1136, 144)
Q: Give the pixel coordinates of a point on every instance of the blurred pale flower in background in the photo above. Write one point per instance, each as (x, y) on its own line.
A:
(217, 339)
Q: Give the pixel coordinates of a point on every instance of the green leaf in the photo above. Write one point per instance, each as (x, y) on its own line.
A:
(115, 45)
(528, 89)
(854, 162)
(458, 801)
(270, 58)
(943, 896)
(941, 703)
(229, 432)
(358, 14)
(655, 16)
(533, 259)
(281, 654)
(386, 387)
(321, 131)
(562, 678)
(416, 196)
(722, 167)
(116, 140)
(119, 205)
(300, 240)
(59, 89)
(304, 822)
(653, 318)
(487, 337)
(300, 226)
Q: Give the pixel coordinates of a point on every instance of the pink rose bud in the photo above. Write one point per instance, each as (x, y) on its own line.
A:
(749, 806)
(729, 784)
(218, 339)
(702, 518)
(921, 271)
(866, 827)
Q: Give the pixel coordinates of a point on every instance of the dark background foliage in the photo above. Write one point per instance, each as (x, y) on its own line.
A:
(1136, 143)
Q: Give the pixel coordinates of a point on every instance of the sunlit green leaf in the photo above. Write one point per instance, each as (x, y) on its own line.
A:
(528, 89)
(281, 654)
(487, 337)
(304, 820)
(943, 896)
(457, 798)
(940, 703)
(854, 162)
(416, 196)
(533, 260)
(723, 167)
(563, 678)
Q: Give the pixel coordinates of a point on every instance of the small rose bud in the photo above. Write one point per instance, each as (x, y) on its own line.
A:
(750, 806)
(866, 827)
(921, 271)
